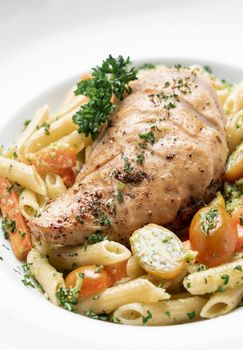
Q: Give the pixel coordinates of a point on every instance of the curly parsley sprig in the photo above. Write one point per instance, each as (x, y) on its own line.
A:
(112, 77)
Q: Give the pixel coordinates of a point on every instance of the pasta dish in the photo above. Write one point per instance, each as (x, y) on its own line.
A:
(126, 205)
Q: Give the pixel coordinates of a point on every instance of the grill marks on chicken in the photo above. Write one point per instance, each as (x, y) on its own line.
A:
(164, 148)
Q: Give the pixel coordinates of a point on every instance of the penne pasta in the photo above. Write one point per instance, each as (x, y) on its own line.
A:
(222, 302)
(133, 267)
(103, 253)
(161, 313)
(138, 290)
(54, 185)
(45, 274)
(75, 102)
(75, 140)
(39, 118)
(31, 203)
(234, 102)
(56, 131)
(215, 279)
(234, 130)
(25, 175)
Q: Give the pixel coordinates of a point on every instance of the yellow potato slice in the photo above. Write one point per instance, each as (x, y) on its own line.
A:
(234, 166)
(159, 251)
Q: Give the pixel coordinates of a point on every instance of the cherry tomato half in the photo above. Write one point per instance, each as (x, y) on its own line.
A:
(237, 223)
(95, 279)
(212, 235)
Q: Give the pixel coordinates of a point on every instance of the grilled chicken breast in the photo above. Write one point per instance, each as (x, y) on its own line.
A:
(164, 149)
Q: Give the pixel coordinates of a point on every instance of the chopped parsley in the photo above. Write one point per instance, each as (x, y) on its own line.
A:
(103, 219)
(225, 278)
(68, 297)
(146, 318)
(147, 66)
(167, 313)
(201, 267)
(178, 66)
(140, 159)
(111, 78)
(26, 123)
(191, 315)
(8, 226)
(170, 105)
(21, 233)
(209, 220)
(220, 289)
(78, 218)
(148, 137)
(96, 237)
(127, 166)
(167, 84)
(238, 267)
(119, 197)
(208, 69)
(1, 258)
(233, 193)
(46, 127)
(102, 316)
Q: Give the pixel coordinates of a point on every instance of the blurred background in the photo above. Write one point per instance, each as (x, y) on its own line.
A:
(45, 41)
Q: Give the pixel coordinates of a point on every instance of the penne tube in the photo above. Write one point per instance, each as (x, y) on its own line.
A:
(25, 175)
(31, 203)
(133, 267)
(75, 140)
(234, 102)
(215, 279)
(222, 302)
(138, 290)
(54, 185)
(39, 118)
(56, 131)
(45, 274)
(234, 130)
(162, 313)
(102, 253)
(75, 102)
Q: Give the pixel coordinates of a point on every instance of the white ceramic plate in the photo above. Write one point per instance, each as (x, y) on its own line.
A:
(27, 317)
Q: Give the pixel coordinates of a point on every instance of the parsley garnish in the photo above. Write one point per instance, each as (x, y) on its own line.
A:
(170, 105)
(208, 69)
(102, 316)
(21, 233)
(225, 278)
(147, 318)
(140, 159)
(112, 77)
(96, 237)
(178, 66)
(8, 226)
(26, 123)
(119, 197)
(238, 267)
(220, 289)
(68, 297)
(209, 219)
(147, 66)
(148, 137)
(191, 315)
(46, 128)
(127, 166)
